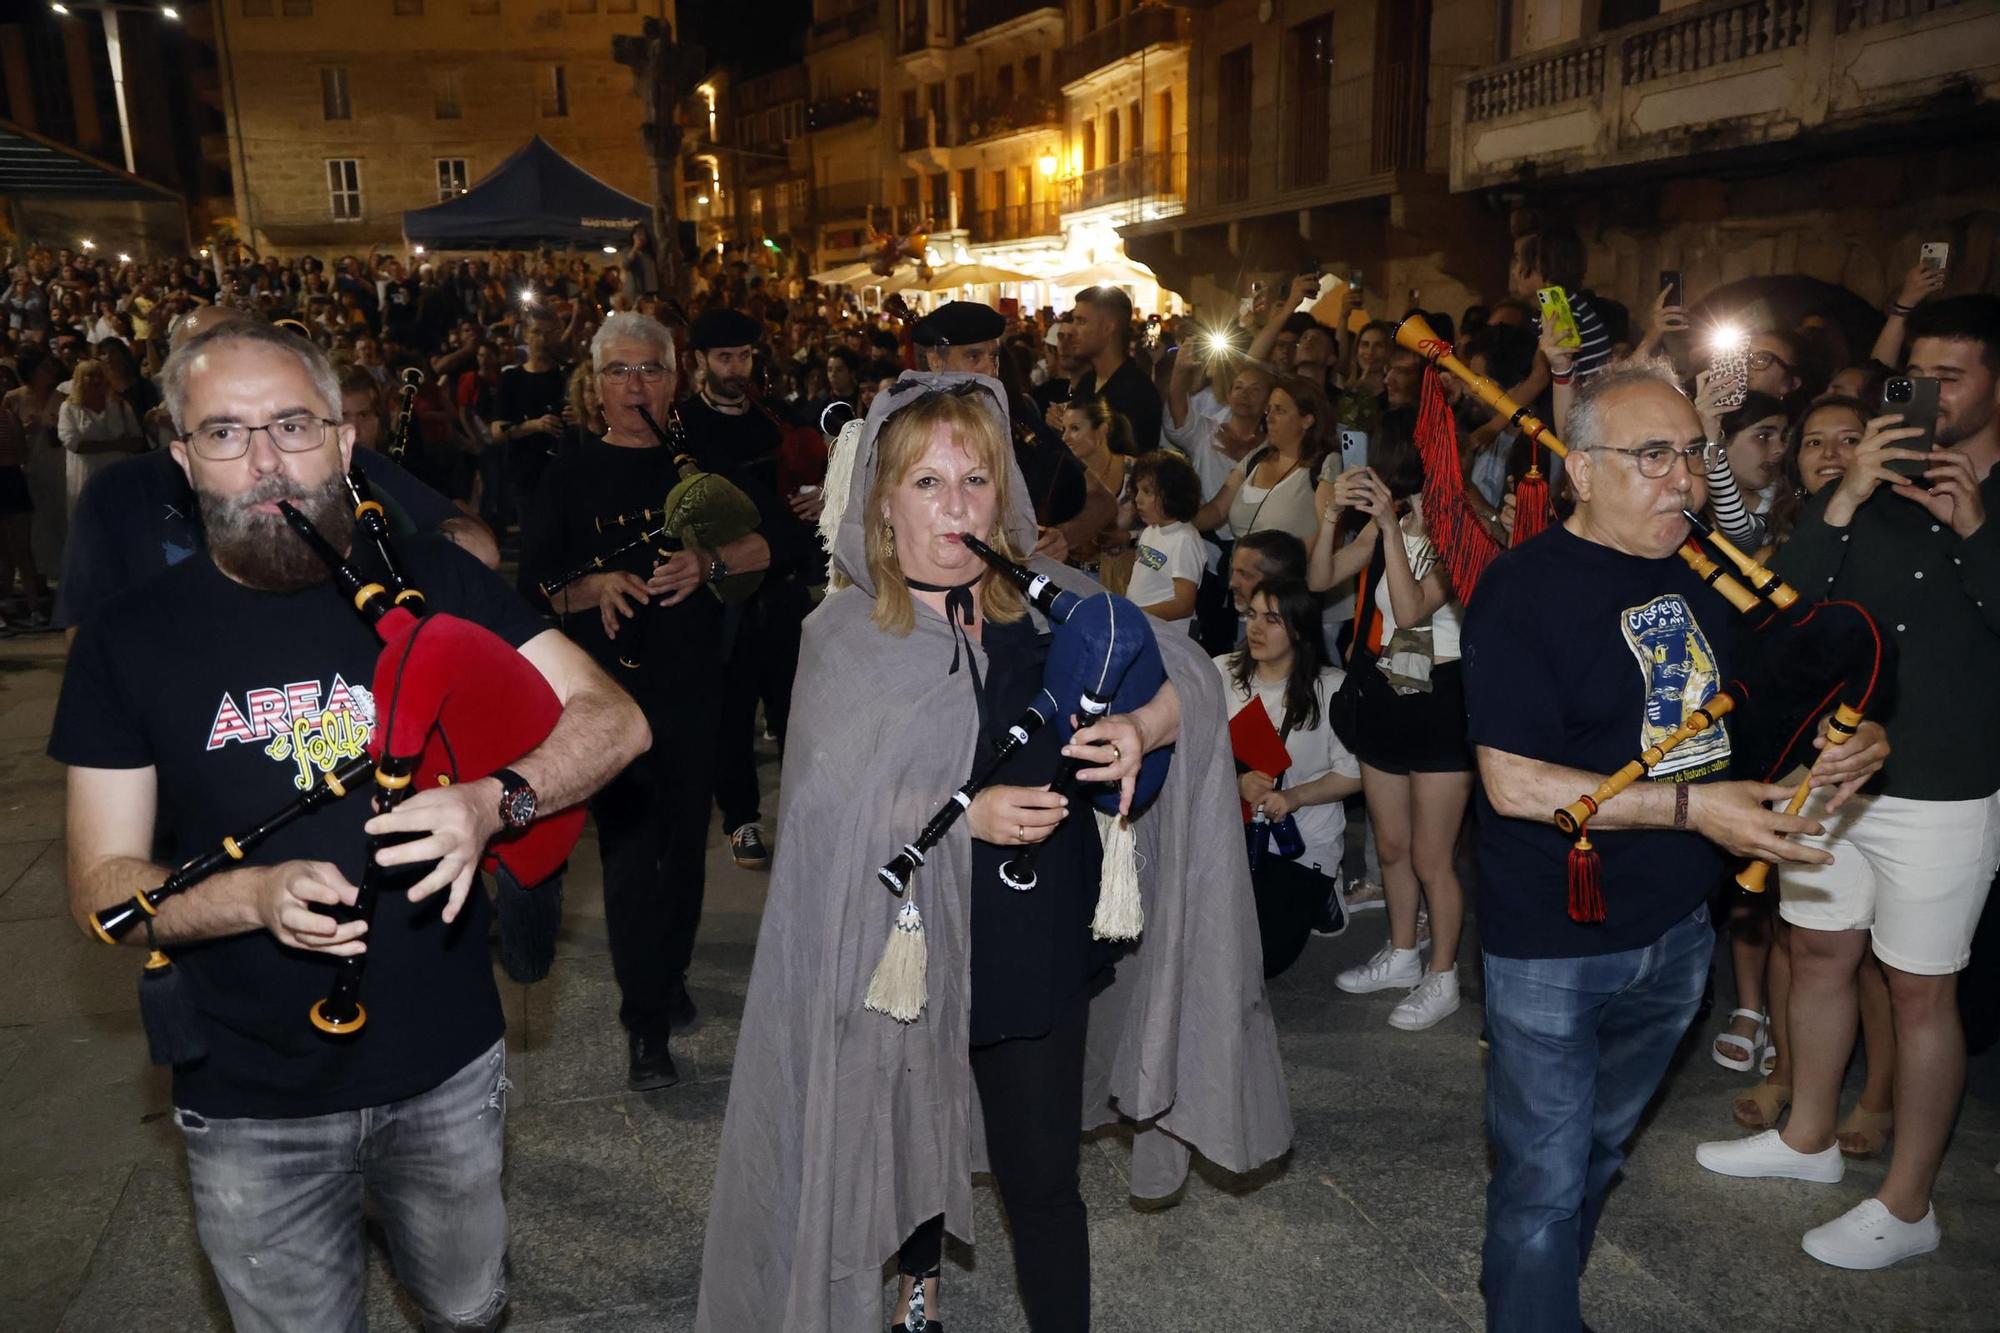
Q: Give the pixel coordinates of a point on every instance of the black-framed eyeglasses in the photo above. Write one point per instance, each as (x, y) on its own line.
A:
(1765, 360)
(223, 441)
(1657, 460)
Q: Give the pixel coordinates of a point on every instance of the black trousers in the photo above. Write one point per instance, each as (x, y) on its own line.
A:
(1215, 608)
(652, 836)
(1032, 1091)
(762, 665)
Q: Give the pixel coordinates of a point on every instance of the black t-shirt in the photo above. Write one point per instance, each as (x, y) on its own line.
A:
(1031, 952)
(139, 516)
(1579, 655)
(526, 394)
(240, 700)
(1056, 481)
(744, 447)
(1132, 396)
(677, 646)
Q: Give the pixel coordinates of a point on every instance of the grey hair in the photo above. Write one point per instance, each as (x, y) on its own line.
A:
(636, 328)
(174, 375)
(1585, 426)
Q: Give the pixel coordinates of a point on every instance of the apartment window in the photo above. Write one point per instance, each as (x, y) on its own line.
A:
(410, 9)
(1310, 57)
(1232, 125)
(448, 94)
(451, 178)
(333, 101)
(1111, 140)
(1031, 72)
(1003, 82)
(555, 91)
(257, 9)
(343, 185)
(1089, 133)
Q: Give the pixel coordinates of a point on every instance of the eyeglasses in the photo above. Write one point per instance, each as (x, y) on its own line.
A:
(1765, 360)
(652, 372)
(292, 435)
(1657, 460)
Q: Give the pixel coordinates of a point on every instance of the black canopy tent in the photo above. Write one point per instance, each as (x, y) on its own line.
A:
(537, 197)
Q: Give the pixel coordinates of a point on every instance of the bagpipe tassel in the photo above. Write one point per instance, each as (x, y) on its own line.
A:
(1531, 501)
(898, 987)
(1463, 542)
(1586, 882)
(1121, 915)
(166, 1009)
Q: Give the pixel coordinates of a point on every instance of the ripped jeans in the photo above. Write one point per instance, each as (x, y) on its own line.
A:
(278, 1204)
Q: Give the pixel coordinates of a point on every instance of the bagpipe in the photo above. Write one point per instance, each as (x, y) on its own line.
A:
(1103, 657)
(704, 509)
(1800, 657)
(406, 412)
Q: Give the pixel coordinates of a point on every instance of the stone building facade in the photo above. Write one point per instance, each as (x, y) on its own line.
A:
(342, 114)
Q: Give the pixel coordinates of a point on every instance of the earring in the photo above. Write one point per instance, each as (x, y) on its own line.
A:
(888, 542)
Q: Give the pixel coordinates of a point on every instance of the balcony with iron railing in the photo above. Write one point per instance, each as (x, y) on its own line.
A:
(858, 21)
(1727, 74)
(976, 16)
(1015, 222)
(992, 117)
(1148, 25)
(1149, 184)
(827, 113)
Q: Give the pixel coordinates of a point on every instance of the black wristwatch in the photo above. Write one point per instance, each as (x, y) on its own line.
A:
(718, 569)
(517, 799)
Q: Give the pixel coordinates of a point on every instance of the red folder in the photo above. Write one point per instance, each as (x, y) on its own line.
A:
(1257, 744)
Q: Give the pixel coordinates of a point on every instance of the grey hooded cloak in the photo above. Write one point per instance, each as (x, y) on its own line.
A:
(847, 1129)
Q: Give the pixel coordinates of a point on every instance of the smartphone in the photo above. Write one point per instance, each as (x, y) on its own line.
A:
(1729, 368)
(1934, 254)
(1354, 283)
(1670, 279)
(1556, 314)
(1915, 399)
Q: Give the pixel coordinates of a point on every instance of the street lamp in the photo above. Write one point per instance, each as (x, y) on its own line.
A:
(1047, 162)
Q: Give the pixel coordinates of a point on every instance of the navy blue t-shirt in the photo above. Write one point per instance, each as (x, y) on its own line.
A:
(240, 700)
(1579, 655)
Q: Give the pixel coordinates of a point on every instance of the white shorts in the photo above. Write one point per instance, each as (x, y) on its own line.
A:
(1914, 873)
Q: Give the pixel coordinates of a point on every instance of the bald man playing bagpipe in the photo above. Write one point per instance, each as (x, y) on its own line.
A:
(240, 681)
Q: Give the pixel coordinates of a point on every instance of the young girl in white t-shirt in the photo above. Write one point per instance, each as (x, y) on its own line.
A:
(1171, 554)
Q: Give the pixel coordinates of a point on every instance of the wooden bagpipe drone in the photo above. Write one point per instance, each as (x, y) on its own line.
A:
(454, 703)
(1103, 658)
(1800, 658)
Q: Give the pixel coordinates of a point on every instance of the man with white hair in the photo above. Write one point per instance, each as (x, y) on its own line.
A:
(215, 694)
(1583, 1016)
(659, 632)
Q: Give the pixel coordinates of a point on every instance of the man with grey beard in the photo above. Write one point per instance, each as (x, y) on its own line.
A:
(215, 694)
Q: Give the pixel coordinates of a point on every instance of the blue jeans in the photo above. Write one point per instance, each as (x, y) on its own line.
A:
(1578, 1047)
(278, 1204)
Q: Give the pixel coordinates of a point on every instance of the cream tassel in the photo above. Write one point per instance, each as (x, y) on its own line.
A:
(1120, 913)
(898, 988)
(841, 459)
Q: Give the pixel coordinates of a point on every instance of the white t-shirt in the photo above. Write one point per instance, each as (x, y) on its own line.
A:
(1444, 621)
(1315, 752)
(1174, 551)
(1199, 440)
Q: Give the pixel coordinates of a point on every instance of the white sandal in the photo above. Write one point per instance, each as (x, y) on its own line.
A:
(1751, 1046)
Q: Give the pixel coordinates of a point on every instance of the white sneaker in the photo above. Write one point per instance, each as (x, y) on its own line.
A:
(1434, 1000)
(1868, 1235)
(1389, 967)
(1766, 1155)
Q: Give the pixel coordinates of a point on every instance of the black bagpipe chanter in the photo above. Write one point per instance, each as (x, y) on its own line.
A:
(453, 703)
(1801, 662)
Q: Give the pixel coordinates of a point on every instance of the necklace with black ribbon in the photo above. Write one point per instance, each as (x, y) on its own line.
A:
(959, 613)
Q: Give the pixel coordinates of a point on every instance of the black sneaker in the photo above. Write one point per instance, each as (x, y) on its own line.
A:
(746, 844)
(682, 1016)
(1331, 918)
(652, 1064)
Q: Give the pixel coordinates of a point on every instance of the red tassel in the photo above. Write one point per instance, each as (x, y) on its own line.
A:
(1464, 543)
(1586, 882)
(1531, 502)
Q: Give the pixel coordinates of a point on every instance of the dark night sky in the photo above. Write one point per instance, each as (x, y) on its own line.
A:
(755, 36)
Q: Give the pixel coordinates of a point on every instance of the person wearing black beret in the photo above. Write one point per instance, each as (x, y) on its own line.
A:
(965, 335)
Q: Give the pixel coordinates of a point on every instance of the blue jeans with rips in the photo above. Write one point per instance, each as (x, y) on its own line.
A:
(278, 1205)
(1578, 1048)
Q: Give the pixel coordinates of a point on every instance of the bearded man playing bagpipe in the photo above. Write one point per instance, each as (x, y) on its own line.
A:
(1587, 644)
(233, 683)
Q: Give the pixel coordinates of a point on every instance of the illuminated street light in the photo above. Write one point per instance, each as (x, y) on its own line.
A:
(60, 9)
(701, 199)
(610, 249)
(1047, 162)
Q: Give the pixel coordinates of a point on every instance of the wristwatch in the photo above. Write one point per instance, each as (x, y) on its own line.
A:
(517, 799)
(718, 569)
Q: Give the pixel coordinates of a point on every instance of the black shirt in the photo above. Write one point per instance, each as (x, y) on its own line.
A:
(1057, 483)
(1579, 655)
(239, 700)
(139, 516)
(1131, 395)
(527, 394)
(1032, 951)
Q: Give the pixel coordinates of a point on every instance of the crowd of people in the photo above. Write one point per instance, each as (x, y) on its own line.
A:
(1266, 486)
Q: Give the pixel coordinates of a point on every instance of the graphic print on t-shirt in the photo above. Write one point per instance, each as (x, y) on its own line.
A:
(1678, 666)
(314, 729)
